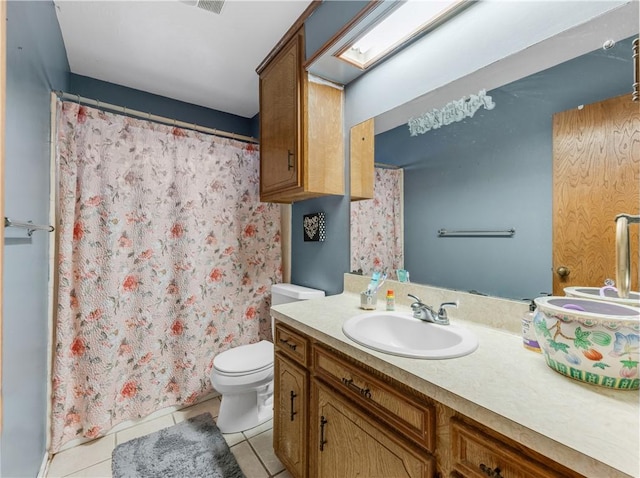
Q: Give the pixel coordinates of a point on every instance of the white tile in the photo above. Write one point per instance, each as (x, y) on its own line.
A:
(259, 429)
(284, 474)
(212, 406)
(82, 456)
(144, 428)
(233, 438)
(133, 423)
(248, 461)
(101, 470)
(263, 445)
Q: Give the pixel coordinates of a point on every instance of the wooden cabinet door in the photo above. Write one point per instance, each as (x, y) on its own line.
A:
(346, 443)
(477, 455)
(290, 416)
(361, 157)
(596, 170)
(280, 128)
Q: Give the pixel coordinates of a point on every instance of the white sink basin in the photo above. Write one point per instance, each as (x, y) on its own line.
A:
(399, 333)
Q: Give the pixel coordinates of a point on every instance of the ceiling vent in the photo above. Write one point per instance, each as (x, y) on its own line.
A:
(214, 6)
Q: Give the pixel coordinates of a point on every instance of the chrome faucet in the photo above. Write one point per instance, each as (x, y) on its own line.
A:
(424, 312)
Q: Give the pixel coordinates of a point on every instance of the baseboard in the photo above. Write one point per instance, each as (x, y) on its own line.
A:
(42, 472)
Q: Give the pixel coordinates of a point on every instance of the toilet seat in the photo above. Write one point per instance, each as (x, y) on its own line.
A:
(245, 359)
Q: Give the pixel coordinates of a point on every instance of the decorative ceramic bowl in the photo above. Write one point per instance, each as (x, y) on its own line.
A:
(607, 295)
(591, 341)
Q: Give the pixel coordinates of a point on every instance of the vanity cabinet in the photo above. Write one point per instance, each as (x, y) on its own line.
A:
(476, 454)
(290, 415)
(301, 137)
(337, 417)
(349, 443)
(291, 399)
(399, 410)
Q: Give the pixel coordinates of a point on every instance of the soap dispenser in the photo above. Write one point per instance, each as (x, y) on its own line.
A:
(528, 334)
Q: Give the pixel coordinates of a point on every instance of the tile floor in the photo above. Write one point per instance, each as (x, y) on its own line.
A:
(253, 448)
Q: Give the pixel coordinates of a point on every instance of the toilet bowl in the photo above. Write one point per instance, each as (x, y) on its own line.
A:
(243, 375)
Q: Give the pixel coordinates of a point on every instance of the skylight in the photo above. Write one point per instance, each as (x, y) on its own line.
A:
(408, 20)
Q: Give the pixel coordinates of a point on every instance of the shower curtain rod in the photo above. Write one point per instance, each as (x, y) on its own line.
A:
(151, 117)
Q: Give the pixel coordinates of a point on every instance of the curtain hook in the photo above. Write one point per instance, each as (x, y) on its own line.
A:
(78, 99)
(124, 110)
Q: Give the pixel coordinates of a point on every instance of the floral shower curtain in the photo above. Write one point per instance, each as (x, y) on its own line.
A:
(166, 258)
(377, 227)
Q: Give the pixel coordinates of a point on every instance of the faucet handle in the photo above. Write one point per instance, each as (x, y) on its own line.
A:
(442, 312)
(417, 302)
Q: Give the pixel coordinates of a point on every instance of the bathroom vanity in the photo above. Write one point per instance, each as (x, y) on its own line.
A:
(344, 410)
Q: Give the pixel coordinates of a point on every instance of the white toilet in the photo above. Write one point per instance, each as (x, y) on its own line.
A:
(244, 375)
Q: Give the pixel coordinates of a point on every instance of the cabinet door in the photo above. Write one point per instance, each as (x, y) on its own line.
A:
(347, 443)
(290, 416)
(477, 455)
(361, 156)
(280, 96)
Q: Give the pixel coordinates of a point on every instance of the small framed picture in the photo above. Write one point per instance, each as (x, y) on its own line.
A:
(314, 227)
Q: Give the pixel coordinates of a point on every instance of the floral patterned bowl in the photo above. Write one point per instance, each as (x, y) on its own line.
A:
(591, 341)
(607, 295)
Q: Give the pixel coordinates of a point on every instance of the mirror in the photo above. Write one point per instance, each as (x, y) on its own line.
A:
(493, 173)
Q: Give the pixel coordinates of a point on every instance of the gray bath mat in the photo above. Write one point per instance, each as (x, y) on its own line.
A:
(193, 448)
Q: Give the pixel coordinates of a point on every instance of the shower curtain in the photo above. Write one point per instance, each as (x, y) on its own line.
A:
(377, 228)
(165, 259)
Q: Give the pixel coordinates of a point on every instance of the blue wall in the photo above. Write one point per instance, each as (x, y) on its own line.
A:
(494, 171)
(159, 105)
(36, 63)
(321, 265)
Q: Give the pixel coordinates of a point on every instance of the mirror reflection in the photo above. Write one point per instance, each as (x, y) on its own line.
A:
(495, 171)
(377, 225)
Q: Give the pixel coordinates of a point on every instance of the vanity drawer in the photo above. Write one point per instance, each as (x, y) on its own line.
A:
(407, 415)
(478, 455)
(291, 344)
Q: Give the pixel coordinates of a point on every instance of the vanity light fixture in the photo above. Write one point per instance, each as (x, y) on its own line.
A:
(404, 23)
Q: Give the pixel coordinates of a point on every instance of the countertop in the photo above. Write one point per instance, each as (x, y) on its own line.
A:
(589, 429)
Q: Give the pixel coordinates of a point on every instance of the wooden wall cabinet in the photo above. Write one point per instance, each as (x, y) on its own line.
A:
(301, 137)
(361, 156)
(346, 420)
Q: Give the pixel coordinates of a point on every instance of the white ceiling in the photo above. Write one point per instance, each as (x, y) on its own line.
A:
(174, 49)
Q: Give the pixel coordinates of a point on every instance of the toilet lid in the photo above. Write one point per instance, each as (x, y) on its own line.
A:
(245, 358)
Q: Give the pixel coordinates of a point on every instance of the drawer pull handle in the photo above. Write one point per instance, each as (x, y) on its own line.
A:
(365, 392)
(292, 395)
(323, 422)
(289, 344)
(491, 472)
(289, 160)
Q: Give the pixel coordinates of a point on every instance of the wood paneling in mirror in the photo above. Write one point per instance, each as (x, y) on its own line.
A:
(596, 172)
(361, 159)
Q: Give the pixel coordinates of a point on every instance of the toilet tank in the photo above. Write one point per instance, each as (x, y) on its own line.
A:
(285, 293)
